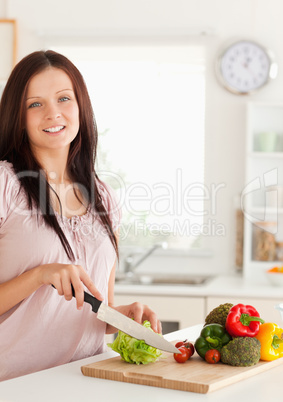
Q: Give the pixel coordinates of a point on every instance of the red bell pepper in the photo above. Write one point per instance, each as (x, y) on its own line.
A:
(243, 320)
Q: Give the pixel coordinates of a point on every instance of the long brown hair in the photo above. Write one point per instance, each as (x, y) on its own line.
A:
(15, 147)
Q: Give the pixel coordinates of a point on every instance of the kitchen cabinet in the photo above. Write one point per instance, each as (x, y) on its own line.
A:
(174, 312)
(265, 307)
(262, 196)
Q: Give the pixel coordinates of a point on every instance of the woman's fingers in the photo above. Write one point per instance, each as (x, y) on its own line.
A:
(152, 318)
(143, 312)
(66, 287)
(90, 285)
(66, 276)
(69, 275)
(78, 279)
(79, 292)
(155, 323)
(140, 312)
(136, 312)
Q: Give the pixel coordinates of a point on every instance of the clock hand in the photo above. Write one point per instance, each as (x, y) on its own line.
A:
(246, 65)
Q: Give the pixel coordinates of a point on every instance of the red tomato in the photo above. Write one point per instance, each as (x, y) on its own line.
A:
(212, 356)
(183, 356)
(187, 344)
(179, 344)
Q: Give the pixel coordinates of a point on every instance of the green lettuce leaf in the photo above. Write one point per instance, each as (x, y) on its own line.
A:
(133, 350)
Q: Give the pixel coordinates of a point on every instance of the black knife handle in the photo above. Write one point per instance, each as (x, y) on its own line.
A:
(93, 301)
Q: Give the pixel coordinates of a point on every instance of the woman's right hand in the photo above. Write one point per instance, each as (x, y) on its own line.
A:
(62, 276)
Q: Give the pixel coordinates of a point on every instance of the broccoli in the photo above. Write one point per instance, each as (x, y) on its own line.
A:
(242, 351)
(219, 314)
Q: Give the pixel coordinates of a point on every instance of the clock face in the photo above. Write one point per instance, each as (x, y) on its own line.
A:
(244, 67)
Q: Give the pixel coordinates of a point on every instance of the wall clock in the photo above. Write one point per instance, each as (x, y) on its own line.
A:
(245, 66)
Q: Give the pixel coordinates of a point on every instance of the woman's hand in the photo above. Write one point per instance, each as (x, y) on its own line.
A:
(62, 276)
(139, 312)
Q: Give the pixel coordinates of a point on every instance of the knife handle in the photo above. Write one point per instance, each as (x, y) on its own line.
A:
(93, 301)
(88, 298)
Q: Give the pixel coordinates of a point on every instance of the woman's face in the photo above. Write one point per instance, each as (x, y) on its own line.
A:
(52, 112)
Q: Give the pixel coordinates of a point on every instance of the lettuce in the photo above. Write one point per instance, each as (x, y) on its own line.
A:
(133, 350)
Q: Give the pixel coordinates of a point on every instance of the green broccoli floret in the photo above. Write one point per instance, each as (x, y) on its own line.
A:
(219, 314)
(242, 351)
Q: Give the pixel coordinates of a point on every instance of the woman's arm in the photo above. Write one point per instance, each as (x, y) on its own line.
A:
(17, 289)
(61, 276)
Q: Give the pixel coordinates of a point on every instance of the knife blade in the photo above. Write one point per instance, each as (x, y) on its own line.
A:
(125, 324)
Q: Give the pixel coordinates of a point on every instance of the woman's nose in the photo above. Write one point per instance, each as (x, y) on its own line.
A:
(52, 112)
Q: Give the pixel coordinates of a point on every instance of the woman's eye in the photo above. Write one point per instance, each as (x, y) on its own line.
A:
(64, 99)
(34, 104)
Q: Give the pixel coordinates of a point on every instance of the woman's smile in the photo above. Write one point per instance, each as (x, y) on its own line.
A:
(52, 112)
(53, 131)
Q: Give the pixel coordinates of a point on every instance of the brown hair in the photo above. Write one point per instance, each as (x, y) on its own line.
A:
(15, 148)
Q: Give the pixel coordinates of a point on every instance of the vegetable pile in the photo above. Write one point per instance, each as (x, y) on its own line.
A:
(234, 335)
(133, 350)
(237, 336)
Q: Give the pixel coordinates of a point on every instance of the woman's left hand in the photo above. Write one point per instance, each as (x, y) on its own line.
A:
(139, 312)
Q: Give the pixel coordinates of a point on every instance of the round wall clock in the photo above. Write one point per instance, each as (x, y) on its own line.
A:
(245, 66)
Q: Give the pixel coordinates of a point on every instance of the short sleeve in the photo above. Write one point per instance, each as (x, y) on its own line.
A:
(8, 187)
(111, 203)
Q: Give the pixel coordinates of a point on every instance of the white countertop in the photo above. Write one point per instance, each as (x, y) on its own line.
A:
(66, 383)
(230, 285)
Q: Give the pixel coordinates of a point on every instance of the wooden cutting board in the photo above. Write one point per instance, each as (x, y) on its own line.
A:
(195, 375)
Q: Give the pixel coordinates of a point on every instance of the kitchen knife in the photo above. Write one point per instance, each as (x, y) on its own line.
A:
(127, 325)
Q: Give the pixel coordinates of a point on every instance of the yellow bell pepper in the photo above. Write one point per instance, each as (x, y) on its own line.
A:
(271, 339)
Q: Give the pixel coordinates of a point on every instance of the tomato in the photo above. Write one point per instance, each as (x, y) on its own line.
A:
(183, 356)
(187, 344)
(191, 346)
(179, 344)
(212, 356)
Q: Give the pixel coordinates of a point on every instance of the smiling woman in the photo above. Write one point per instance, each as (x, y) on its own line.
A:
(50, 194)
(52, 117)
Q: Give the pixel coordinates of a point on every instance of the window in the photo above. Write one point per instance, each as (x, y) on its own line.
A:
(149, 103)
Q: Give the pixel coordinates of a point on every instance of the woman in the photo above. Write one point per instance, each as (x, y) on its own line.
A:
(58, 221)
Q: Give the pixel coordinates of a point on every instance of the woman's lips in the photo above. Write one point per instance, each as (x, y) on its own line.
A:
(55, 130)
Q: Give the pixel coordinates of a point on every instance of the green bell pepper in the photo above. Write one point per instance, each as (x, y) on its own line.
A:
(212, 336)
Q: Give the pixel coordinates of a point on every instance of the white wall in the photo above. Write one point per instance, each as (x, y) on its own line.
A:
(260, 20)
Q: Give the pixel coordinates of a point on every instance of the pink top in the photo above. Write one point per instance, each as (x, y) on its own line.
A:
(45, 330)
